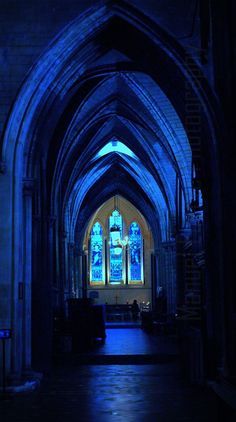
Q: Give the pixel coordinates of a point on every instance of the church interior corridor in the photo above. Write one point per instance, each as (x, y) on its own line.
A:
(117, 181)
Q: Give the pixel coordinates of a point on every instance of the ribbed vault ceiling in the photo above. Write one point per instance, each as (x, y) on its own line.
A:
(94, 87)
(115, 104)
(128, 108)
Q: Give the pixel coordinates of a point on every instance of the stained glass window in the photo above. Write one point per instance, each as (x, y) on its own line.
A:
(116, 253)
(135, 252)
(119, 260)
(96, 248)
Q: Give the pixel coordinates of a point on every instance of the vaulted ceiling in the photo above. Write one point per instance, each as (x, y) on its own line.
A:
(126, 138)
(112, 129)
(104, 114)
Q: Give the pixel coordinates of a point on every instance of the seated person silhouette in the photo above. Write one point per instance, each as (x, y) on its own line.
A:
(135, 310)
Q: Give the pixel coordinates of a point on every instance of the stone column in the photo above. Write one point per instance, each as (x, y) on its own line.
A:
(154, 276)
(77, 271)
(84, 274)
(37, 274)
(183, 242)
(71, 268)
(160, 267)
(170, 275)
(62, 266)
(51, 220)
(25, 292)
(80, 274)
(6, 251)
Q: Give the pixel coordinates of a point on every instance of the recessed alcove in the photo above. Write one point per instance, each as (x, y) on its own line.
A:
(124, 288)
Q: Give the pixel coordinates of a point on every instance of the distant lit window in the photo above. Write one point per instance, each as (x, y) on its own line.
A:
(116, 146)
(135, 253)
(116, 252)
(116, 249)
(96, 254)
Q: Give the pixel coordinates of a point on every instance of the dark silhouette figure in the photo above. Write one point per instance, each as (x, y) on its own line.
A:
(135, 310)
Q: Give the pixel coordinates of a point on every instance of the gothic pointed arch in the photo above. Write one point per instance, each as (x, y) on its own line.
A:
(88, 89)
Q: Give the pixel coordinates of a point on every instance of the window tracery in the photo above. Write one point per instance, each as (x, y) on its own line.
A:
(121, 260)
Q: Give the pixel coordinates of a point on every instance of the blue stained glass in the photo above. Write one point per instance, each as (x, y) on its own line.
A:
(116, 219)
(96, 253)
(116, 255)
(115, 267)
(135, 245)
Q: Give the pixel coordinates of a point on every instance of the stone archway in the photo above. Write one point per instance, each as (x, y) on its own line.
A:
(41, 154)
(127, 290)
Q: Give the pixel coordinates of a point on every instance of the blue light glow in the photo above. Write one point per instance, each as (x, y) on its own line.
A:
(116, 146)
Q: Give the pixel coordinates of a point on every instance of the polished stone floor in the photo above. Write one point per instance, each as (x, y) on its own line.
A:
(130, 345)
(103, 393)
(135, 341)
